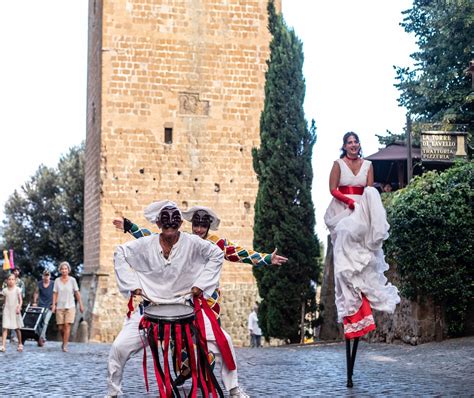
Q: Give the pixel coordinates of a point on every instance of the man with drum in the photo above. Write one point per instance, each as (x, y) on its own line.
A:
(204, 219)
(165, 268)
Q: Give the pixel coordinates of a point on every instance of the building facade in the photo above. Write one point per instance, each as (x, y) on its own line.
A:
(175, 92)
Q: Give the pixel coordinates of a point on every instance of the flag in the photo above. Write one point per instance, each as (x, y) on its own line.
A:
(6, 262)
(12, 263)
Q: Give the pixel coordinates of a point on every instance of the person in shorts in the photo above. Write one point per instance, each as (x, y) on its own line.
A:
(64, 290)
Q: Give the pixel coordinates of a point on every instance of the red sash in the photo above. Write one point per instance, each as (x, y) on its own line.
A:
(221, 340)
(348, 190)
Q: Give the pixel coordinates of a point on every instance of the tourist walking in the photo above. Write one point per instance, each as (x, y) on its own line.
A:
(64, 290)
(254, 329)
(43, 297)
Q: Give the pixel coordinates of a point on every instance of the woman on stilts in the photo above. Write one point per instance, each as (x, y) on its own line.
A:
(358, 226)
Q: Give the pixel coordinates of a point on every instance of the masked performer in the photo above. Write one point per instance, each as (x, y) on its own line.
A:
(358, 226)
(203, 219)
(164, 267)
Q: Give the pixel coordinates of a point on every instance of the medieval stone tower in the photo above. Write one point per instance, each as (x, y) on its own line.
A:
(175, 91)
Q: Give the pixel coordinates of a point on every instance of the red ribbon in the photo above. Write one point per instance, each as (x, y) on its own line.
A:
(349, 190)
(221, 340)
(130, 305)
(156, 361)
(169, 391)
(192, 361)
(144, 324)
(179, 347)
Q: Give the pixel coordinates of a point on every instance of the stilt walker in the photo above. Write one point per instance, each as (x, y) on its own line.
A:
(358, 225)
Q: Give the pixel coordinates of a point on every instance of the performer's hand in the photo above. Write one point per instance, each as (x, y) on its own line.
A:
(137, 292)
(352, 204)
(278, 260)
(81, 308)
(196, 291)
(53, 308)
(118, 222)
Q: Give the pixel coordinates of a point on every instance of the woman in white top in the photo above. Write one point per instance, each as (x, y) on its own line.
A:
(358, 226)
(64, 291)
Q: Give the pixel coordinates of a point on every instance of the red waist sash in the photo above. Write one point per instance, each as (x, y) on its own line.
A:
(348, 190)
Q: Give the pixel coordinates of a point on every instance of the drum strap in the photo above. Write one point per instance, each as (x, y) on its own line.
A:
(221, 340)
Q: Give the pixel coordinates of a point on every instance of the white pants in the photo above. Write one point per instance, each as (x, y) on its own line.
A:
(129, 342)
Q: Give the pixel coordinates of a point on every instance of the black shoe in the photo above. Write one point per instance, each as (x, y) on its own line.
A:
(180, 380)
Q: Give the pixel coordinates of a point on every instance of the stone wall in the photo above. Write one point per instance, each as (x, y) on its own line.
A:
(413, 322)
(175, 94)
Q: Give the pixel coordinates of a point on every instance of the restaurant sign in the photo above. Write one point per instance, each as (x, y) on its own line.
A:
(442, 146)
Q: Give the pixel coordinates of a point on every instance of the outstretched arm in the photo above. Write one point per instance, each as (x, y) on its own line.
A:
(238, 254)
(125, 225)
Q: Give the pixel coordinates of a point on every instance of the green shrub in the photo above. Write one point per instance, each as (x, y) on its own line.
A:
(431, 239)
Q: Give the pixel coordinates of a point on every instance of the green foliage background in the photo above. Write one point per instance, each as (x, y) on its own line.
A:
(284, 211)
(438, 88)
(44, 220)
(437, 91)
(432, 237)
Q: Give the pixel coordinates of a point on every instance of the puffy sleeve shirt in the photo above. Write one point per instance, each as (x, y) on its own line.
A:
(140, 264)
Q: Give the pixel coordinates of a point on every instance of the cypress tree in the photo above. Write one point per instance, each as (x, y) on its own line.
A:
(284, 211)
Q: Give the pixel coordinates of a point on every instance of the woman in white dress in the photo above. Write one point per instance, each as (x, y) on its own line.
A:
(11, 318)
(357, 222)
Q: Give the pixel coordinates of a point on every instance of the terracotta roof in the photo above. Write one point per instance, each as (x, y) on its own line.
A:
(395, 152)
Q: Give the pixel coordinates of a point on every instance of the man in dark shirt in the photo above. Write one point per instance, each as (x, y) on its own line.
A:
(43, 297)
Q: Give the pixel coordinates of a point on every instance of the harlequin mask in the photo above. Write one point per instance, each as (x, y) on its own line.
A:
(202, 219)
(170, 217)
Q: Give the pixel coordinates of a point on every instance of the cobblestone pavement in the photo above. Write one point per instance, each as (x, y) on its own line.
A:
(434, 369)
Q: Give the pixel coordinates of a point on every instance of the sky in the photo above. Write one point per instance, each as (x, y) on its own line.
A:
(350, 48)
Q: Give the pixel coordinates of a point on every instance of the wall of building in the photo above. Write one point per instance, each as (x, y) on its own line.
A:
(198, 68)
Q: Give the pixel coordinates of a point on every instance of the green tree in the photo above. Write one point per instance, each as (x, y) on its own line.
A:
(438, 90)
(438, 208)
(284, 211)
(44, 220)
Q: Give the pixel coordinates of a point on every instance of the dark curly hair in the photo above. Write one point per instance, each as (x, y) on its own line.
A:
(344, 142)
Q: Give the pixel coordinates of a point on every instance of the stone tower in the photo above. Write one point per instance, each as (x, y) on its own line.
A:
(175, 91)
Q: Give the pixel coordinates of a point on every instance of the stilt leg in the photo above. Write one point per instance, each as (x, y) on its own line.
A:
(353, 354)
(349, 363)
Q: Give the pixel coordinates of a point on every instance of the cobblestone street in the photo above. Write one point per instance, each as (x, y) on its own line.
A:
(434, 369)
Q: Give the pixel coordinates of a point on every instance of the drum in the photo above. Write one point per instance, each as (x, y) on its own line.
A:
(169, 313)
(172, 337)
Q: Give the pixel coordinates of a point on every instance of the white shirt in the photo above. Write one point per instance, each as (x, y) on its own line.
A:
(65, 292)
(253, 324)
(193, 261)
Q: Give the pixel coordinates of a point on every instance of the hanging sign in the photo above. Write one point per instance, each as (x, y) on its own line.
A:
(442, 146)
